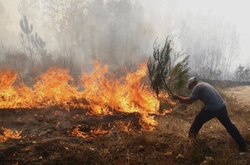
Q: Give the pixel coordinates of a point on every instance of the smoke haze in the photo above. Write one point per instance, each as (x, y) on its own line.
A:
(214, 34)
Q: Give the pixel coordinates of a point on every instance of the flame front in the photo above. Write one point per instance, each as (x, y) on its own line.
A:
(9, 134)
(103, 92)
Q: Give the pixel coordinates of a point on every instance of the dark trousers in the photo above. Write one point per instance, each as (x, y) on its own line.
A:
(205, 115)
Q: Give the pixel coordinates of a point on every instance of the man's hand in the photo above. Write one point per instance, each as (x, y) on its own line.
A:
(181, 99)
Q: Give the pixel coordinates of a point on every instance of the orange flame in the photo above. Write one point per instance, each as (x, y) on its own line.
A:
(103, 91)
(93, 133)
(124, 127)
(9, 134)
(78, 133)
(98, 131)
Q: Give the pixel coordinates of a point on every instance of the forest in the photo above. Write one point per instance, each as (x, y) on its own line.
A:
(118, 33)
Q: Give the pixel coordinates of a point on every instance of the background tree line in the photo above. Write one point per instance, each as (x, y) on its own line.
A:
(122, 32)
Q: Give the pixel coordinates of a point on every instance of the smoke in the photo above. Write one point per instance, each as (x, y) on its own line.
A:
(122, 32)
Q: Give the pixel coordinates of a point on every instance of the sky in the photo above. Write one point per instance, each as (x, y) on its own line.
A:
(236, 11)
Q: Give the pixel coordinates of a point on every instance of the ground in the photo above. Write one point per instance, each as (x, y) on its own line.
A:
(49, 136)
(240, 93)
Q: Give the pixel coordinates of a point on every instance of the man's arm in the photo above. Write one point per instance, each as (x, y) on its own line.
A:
(185, 100)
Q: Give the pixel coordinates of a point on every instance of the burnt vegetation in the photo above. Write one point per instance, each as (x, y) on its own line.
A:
(47, 138)
(57, 135)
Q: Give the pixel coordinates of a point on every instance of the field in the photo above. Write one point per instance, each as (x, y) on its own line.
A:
(57, 136)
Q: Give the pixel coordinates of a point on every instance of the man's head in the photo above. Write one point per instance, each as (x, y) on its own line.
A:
(192, 82)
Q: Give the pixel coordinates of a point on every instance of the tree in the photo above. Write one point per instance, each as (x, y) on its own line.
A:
(242, 73)
(33, 42)
(108, 30)
(211, 42)
(2, 16)
(233, 49)
(27, 29)
(31, 9)
(163, 75)
(4, 20)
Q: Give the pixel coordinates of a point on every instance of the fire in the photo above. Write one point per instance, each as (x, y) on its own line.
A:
(124, 127)
(93, 133)
(104, 93)
(78, 133)
(9, 134)
(98, 131)
(53, 88)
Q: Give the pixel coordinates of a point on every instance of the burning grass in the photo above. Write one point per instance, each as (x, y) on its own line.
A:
(9, 134)
(99, 93)
(105, 119)
(53, 135)
(56, 136)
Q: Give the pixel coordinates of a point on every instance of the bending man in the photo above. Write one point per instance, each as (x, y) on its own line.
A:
(214, 106)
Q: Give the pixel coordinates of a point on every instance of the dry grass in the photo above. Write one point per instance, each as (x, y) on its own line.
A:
(43, 142)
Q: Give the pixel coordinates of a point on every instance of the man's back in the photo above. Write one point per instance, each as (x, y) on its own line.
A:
(208, 95)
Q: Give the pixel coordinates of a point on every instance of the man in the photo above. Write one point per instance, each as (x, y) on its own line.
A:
(214, 106)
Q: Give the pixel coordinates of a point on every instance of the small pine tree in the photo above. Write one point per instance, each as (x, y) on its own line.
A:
(162, 75)
(27, 29)
(179, 75)
(33, 42)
